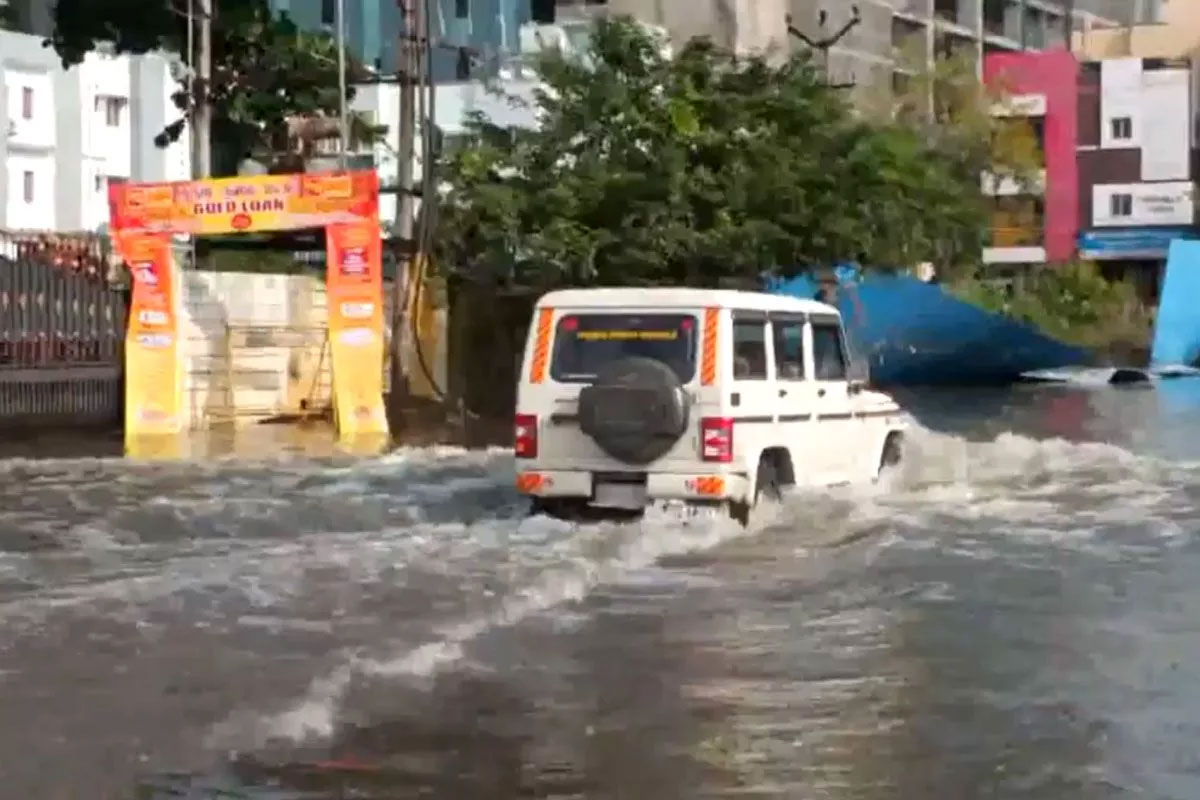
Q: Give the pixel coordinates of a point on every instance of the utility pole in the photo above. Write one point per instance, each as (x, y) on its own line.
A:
(412, 28)
(343, 129)
(202, 113)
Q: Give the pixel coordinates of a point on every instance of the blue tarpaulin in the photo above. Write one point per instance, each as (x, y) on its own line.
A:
(1177, 324)
(915, 333)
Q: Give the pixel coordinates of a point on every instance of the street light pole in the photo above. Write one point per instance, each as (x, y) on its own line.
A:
(343, 132)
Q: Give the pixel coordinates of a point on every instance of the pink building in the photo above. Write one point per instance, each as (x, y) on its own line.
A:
(1040, 223)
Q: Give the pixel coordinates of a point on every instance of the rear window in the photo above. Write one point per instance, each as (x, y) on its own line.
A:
(585, 343)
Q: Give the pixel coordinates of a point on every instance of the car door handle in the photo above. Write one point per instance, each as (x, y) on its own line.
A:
(820, 392)
(783, 392)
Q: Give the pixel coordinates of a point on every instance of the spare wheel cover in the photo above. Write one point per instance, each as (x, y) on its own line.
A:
(636, 410)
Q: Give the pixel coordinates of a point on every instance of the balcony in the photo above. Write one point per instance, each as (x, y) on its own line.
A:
(908, 41)
(917, 10)
(957, 14)
(1015, 244)
(1008, 186)
(1002, 20)
(1015, 236)
(951, 45)
(572, 10)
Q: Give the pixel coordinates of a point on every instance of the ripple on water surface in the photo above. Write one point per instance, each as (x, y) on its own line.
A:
(1009, 614)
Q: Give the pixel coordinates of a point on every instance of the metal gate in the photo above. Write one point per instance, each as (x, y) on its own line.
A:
(62, 328)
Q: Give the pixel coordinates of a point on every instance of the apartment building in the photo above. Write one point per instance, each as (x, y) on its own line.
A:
(1136, 156)
(1161, 29)
(1148, 58)
(1036, 222)
(1118, 139)
(490, 28)
(897, 36)
(28, 16)
(744, 26)
(67, 133)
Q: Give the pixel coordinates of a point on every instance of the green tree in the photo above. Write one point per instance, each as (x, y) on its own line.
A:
(701, 169)
(1072, 302)
(265, 70)
(953, 109)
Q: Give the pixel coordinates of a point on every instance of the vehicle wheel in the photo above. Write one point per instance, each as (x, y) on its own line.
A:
(893, 453)
(766, 487)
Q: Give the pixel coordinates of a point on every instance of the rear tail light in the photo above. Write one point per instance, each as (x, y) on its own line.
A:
(716, 439)
(525, 436)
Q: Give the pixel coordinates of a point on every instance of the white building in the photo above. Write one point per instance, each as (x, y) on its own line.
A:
(65, 133)
(380, 103)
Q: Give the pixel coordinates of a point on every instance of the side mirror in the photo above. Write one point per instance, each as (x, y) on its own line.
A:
(858, 376)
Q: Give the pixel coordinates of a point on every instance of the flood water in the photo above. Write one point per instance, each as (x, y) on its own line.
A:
(1016, 615)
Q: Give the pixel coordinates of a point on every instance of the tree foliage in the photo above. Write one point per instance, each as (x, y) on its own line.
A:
(701, 169)
(264, 68)
(953, 109)
(1072, 302)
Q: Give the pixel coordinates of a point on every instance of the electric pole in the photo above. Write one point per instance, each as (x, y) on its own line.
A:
(343, 125)
(202, 111)
(412, 28)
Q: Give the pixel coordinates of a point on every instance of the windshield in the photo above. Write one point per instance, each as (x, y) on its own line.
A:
(585, 343)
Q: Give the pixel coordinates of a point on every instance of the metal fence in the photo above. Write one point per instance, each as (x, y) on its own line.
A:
(62, 328)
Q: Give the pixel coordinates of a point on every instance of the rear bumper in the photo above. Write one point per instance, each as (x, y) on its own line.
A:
(689, 486)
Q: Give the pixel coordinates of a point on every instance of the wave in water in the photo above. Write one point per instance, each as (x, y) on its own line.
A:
(1008, 477)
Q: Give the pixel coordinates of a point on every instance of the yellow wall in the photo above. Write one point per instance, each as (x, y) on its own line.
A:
(1177, 36)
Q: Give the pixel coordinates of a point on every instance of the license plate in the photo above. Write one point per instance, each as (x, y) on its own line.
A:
(620, 495)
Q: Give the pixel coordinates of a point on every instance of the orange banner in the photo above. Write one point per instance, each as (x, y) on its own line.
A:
(245, 204)
(354, 280)
(153, 391)
(144, 215)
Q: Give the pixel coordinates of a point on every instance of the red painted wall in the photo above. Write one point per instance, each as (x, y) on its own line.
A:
(1055, 74)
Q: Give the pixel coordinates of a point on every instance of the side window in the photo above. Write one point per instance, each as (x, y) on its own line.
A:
(789, 349)
(829, 359)
(749, 350)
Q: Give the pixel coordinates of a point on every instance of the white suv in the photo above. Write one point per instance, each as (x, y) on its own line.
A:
(632, 396)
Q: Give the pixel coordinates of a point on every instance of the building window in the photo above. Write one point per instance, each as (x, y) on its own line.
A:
(1122, 127)
(27, 186)
(462, 9)
(328, 12)
(26, 102)
(111, 106)
(542, 11)
(1120, 205)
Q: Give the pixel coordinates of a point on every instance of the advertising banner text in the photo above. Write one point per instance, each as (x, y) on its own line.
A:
(354, 280)
(153, 391)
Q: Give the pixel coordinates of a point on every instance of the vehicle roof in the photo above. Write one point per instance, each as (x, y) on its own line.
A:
(639, 297)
